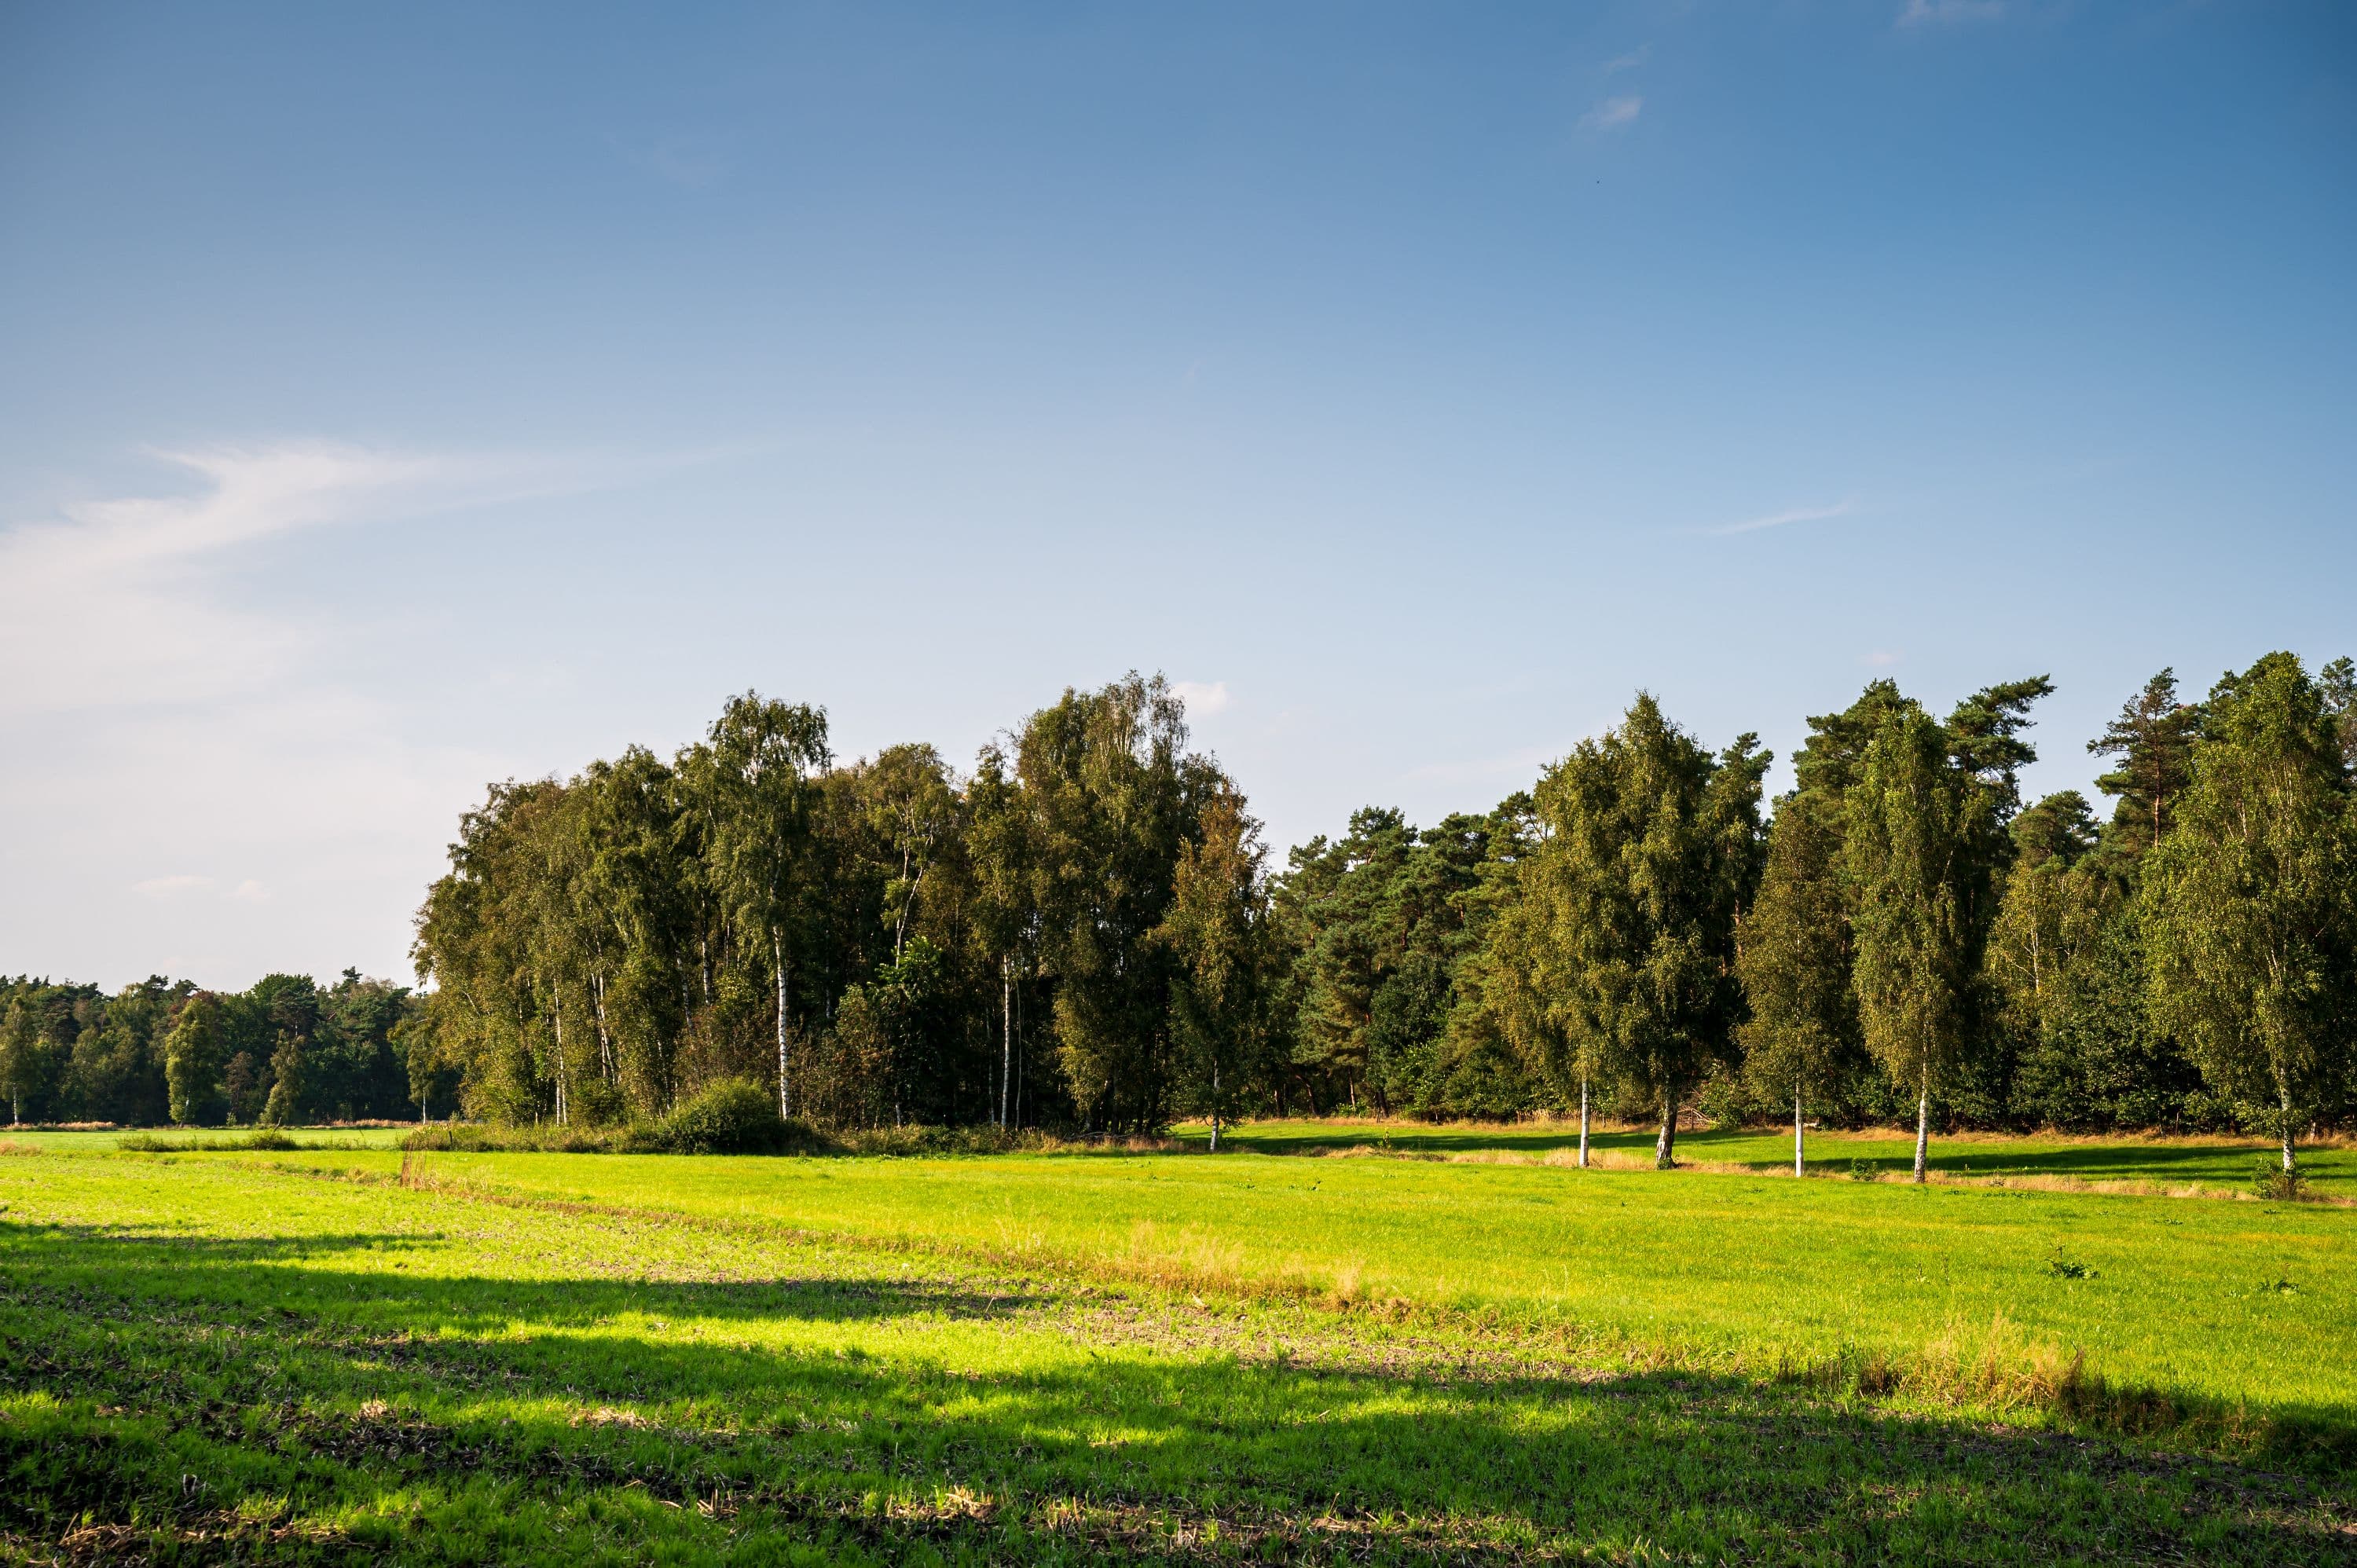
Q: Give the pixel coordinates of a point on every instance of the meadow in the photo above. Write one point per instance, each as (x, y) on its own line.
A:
(2159, 1162)
(345, 1352)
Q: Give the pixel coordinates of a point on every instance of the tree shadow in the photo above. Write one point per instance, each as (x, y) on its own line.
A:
(2223, 1160)
(196, 1381)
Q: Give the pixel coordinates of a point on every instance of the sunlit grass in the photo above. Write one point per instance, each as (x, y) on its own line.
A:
(587, 1359)
(2210, 1162)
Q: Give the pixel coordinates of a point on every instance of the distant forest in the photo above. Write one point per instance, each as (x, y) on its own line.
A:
(1085, 933)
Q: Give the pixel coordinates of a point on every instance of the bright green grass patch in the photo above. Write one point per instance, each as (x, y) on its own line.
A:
(201, 1137)
(2237, 1303)
(2224, 1164)
(227, 1356)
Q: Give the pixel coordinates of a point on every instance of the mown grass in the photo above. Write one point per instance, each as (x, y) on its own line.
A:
(610, 1358)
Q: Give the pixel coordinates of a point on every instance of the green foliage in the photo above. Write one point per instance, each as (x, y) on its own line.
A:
(1910, 862)
(2251, 898)
(71, 1053)
(2153, 741)
(1793, 960)
(2275, 1183)
(735, 1116)
(192, 1059)
(1651, 850)
(1223, 998)
(1083, 936)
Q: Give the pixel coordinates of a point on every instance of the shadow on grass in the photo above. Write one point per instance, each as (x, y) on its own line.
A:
(2219, 1162)
(471, 1418)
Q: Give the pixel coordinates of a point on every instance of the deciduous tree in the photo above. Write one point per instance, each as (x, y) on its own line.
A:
(2251, 898)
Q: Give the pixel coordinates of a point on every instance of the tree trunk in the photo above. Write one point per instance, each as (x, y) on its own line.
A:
(1922, 1125)
(1797, 1167)
(1005, 1037)
(2286, 1096)
(1216, 1108)
(605, 1038)
(1666, 1146)
(558, 1015)
(1583, 1123)
(778, 959)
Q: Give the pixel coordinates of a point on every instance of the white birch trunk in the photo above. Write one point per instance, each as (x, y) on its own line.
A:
(1583, 1123)
(1922, 1127)
(1216, 1108)
(558, 1013)
(1005, 1039)
(1797, 1170)
(778, 959)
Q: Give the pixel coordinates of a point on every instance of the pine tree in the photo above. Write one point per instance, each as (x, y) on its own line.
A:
(2153, 739)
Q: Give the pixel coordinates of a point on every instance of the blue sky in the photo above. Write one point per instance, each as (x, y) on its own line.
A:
(395, 399)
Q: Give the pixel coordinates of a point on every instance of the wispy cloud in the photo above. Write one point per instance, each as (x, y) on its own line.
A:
(170, 886)
(693, 161)
(1628, 61)
(1201, 697)
(1778, 519)
(166, 706)
(1613, 113)
(249, 891)
(146, 567)
(1942, 13)
(1523, 763)
(1882, 659)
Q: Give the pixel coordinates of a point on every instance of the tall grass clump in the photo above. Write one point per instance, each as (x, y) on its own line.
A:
(735, 1116)
(264, 1142)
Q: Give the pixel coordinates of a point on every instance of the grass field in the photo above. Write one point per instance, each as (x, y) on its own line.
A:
(315, 1356)
(2224, 1163)
(67, 1139)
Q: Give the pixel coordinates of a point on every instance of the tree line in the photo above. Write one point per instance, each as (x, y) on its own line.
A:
(285, 1051)
(1085, 932)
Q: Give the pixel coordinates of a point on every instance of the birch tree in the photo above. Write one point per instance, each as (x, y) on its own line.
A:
(1219, 926)
(763, 753)
(1909, 853)
(193, 1058)
(1652, 848)
(2251, 899)
(1793, 958)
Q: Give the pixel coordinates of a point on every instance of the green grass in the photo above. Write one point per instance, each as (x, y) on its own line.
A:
(2219, 1162)
(630, 1358)
(64, 1140)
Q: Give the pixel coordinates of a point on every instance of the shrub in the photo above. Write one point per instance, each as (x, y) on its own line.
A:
(2281, 1185)
(735, 1116)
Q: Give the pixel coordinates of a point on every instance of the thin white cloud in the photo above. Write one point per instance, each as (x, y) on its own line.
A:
(1882, 659)
(694, 162)
(1628, 61)
(1941, 12)
(161, 887)
(1203, 698)
(1523, 763)
(1778, 519)
(167, 886)
(1613, 113)
(145, 568)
